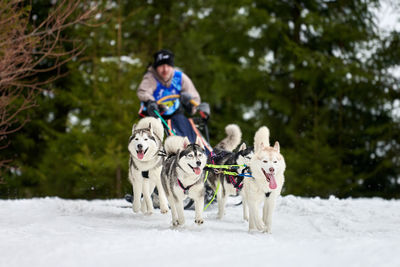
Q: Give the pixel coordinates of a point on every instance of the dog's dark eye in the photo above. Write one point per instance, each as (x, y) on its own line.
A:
(136, 139)
(265, 161)
(146, 139)
(247, 157)
(190, 156)
(275, 161)
(200, 154)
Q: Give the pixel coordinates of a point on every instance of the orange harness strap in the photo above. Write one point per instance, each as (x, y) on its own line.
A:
(199, 135)
(170, 127)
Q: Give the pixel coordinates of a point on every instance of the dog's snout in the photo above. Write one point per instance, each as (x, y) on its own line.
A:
(271, 169)
(198, 163)
(140, 146)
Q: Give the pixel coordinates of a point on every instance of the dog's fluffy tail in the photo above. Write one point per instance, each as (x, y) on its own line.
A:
(261, 138)
(232, 139)
(173, 144)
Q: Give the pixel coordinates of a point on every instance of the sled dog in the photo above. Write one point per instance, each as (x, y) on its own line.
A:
(145, 164)
(182, 176)
(267, 167)
(223, 155)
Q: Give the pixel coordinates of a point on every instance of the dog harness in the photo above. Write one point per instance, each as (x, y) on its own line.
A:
(174, 89)
(185, 189)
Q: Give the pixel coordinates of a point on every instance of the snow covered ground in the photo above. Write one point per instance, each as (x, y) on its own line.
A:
(306, 232)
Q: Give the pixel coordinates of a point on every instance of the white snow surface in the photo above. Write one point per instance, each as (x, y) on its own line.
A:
(306, 232)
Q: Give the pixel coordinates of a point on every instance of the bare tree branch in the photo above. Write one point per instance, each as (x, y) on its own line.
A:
(24, 50)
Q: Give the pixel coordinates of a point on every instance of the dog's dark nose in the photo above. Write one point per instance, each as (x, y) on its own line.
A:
(271, 169)
(198, 163)
(139, 146)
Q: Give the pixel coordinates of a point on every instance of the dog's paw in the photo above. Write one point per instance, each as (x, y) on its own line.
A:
(136, 208)
(148, 213)
(220, 216)
(260, 226)
(181, 221)
(176, 223)
(199, 221)
(267, 230)
(143, 209)
(246, 218)
(164, 211)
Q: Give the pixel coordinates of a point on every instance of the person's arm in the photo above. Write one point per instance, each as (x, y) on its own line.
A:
(188, 86)
(146, 88)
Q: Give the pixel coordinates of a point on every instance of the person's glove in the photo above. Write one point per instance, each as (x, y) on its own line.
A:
(204, 110)
(185, 100)
(151, 107)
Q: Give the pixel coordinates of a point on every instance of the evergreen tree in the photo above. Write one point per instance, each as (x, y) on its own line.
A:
(304, 68)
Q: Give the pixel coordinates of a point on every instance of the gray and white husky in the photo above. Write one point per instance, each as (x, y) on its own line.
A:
(145, 164)
(182, 176)
(223, 155)
(267, 167)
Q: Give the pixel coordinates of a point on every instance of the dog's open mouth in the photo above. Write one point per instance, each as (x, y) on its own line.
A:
(196, 170)
(270, 179)
(140, 153)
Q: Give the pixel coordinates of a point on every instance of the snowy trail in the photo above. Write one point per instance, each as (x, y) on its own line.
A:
(306, 232)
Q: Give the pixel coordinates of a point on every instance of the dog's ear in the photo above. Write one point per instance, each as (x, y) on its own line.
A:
(150, 129)
(186, 142)
(133, 127)
(242, 147)
(276, 146)
(199, 143)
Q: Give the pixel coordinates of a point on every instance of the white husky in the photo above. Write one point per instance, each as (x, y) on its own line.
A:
(267, 167)
(182, 176)
(145, 164)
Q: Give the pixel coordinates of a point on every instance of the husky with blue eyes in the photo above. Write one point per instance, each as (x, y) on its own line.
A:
(267, 167)
(145, 164)
(182, 176)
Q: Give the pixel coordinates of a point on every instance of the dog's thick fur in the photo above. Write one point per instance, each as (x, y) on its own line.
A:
(145, 164)
(223, 155)
(182, 176)
(267, 167)
(232, 139)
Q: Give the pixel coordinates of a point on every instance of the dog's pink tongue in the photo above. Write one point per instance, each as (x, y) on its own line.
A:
(197, 170)
(272, 181)
(140, 155)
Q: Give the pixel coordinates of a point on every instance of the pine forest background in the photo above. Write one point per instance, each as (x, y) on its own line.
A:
(316, 72)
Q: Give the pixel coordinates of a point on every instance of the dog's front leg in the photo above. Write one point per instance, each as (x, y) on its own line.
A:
(252, 225)
(221, 199)
(174, 214)
(162, 197)
(269, 206)
(137, 193)
(245, 206)
(255, 222)
(147, 196)
(143, 202)
(199, 206)
(179, 211)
